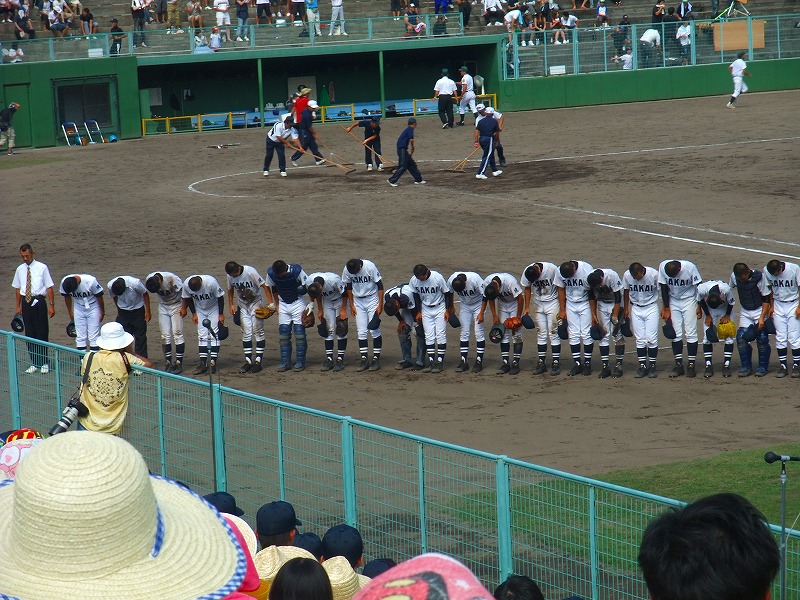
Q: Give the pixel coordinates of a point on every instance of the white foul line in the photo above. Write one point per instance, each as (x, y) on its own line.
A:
(694, 241)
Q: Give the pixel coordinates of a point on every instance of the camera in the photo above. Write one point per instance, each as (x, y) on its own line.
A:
(74, 409)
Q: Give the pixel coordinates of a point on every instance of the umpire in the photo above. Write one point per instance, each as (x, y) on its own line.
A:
(443, 91)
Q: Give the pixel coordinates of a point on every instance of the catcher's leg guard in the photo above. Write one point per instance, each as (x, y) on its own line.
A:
(762, 341)
(285, 340)
(745, 350)
(405, 344)
(301, 344)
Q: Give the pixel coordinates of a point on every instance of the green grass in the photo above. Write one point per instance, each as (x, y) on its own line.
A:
(16, 161)
(743, 472)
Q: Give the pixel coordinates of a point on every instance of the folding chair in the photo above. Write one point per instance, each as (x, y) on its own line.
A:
(93, 131)
(71, 133)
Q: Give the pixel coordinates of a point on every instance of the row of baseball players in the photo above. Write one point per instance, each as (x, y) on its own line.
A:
(573, 302)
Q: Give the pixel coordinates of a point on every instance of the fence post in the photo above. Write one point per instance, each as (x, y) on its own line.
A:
(279, 441)
(220, 476)
(504, 538)
(423, 521)
(13, 381)
(348, 472)
(593, 542)
(161, 438)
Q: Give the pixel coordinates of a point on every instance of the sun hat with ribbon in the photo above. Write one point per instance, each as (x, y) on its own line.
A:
(114, 337)
(84, 519)
(345, 582)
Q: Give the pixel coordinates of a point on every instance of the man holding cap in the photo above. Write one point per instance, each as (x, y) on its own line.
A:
(276, 524)
(105, 393)
(7, 128)
(405, 148)
(444, 90)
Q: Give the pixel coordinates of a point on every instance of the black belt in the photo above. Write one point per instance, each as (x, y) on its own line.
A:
(445, 95)
(644, 305)
(792, 300)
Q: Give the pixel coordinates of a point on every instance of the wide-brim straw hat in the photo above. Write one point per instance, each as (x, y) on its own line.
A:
(345, 582)
(84, 519)
(247, 532)
(270, 560)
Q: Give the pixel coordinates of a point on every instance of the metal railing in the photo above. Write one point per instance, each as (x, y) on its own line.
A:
(590, 49)
(154, 42)
(407, 494)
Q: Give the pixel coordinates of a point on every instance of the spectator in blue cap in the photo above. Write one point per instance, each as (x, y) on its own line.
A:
(343, 540)
(224, 503)
(276, 524)
(309, 541)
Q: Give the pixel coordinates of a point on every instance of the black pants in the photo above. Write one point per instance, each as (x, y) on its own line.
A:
(133, 322)
(307, 142)
(272, 148)
(376, 146)
(446, 109)
(405, 163)
(35, 319)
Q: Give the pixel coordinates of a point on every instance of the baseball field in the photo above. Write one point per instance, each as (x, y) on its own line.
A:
(610, 185)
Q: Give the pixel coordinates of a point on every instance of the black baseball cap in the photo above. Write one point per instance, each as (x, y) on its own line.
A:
(309, 541)
(224, 502)
(113, 21)
(411, 120)
(276, 518)
(343, 540)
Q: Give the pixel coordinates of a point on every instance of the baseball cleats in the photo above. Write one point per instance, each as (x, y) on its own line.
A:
(319, 163)
(744, 372)
(339, 366)
(587, 368)
(168, 367)
(420, 182)
(299, 367)
(782, 372)
(652, 373)
(428, 367)
(481, 176)
(795, 371)
(328, 366)
(555, 369)
(677, 371)
(201, 368)
(177, 368)
(576, 369)
(403, 365)
(246, 367)
(502, 162)
(617, 372)
(730, 105)
(363, 365)
(256, 368)
(376, 364)
(294, 163)
(437, 367)
(380, 167)
(504, 368)
(461, 124)
(690, 370)
(709, 372)
(444, 125)
(641, 372)
(478, 366)
(541, 368)
(726, 370)
(369, 167)
(514, 368)
(283, 174)
(605, 372)
(391, 183)
(462, 367)
(496, 173)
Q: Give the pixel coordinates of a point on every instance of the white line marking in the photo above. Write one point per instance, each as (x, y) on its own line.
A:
(694, 241)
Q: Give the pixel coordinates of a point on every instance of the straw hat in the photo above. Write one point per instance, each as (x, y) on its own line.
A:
(270, 560)
(114, 337)
(345, 582)
(84, 519)
(247, 532)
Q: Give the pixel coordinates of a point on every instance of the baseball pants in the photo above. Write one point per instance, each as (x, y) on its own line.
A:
(739, 86)
(684, 318)
(547, 323)
(365, 310)
(313, 20)
(433, 323)
(604, 310)
(787, 325)
(579, 322)
(272, 148)
(170, 323)
(508, 310)
(487, 143)
(37, 326)
(405, 163)
(291, 312)
(251, 326)
(467, 100)
(749, 317)
(644, 324)
(331, 310)
(87, 325)
(468, 315)
(716, 315)
(133, 322)
(446, 107)
(405, 339)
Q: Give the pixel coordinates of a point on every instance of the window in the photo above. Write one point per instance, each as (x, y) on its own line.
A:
(86, 100)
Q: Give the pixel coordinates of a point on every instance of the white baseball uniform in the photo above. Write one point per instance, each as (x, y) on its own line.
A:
(431, 293)
(249, 297)
(471, 300)
(579, 313)
(785, 300)
(365, 296)
(604, 295)
(545, 294)
(716, 313)
(737, 69)
(507, 302)
(169, 309)
(643, 298)
(85, 309)
(133, 296)
(206, 306)
(467, 94)
(682, 298)
(332, 293)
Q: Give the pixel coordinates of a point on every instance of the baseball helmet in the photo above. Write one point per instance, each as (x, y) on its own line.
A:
(527, 322)
(749, 333)
(496, 333)
(726, 330)
(223, 332)
(712, 337)
(237, 316)
(769, 326)
(669, 330)
(112, 138)
(625, 327)
(562, 330)
(454, 320)
(322, 328)
(71, 329)
(17, 324)
(341, 327)
(596, 331)
(374, 322)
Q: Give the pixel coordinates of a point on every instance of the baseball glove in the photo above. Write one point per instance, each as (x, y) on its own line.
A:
(341, 327)
(264, 312)
(512, 323)
(308, 318)
(17, 324)
(726, 330)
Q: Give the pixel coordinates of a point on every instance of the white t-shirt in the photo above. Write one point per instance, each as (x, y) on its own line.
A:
(432, 290)
(576, 287)
(683, 35)
(627, 62)
(737, 67)
(684, 284)
(365, 282)
(473, 287)
(171, 287)
(133, 296)
(569, 21)
(512, 15)
(784, 286)
(205, 298)
(652, 37)
(643, 291)
(544, 288)
(221, 5)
